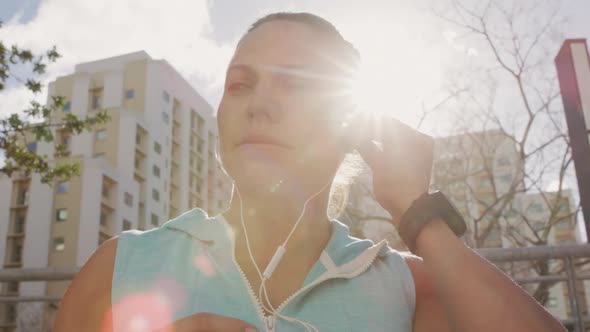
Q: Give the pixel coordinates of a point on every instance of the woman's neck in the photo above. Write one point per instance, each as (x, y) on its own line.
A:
(270, 217)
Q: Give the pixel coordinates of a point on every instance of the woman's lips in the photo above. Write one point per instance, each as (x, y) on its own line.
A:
(262, 140)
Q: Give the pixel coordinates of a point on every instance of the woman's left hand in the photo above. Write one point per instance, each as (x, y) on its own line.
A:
(401, 160)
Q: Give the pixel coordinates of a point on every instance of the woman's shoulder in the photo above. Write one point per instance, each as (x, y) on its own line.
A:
(74, 313)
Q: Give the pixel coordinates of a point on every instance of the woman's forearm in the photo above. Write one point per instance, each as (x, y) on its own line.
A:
(476, 295)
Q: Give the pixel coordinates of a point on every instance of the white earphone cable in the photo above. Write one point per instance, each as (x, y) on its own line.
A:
(275, 260)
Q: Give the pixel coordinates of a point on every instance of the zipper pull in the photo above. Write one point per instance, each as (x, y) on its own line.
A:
(269, 322)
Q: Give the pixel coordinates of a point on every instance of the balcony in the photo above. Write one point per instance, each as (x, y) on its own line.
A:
(17, 228)
(139, 171)
(139, 175)
(22, 200)
(11, 265)
(174, 183)
(140, 150)
(176, 136)
(176, 117)
(107, 203)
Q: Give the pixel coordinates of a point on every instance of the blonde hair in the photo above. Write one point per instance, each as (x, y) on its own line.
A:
(351, 166)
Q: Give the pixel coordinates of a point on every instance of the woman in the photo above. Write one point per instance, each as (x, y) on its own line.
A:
(281, 142)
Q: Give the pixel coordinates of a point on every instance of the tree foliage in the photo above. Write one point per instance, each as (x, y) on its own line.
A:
(21, 130)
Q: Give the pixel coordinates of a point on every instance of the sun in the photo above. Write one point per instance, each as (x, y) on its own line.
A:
(370, 91)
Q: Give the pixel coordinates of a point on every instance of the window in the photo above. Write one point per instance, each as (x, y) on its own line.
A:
(535, 208)
(200, 145)
(67, 107)
(19, 224)
(538, 225)
(23, 197)
(157, 147)
(199, 165)
(96, 101)
(12, 286)
(105, 190)
(32, 147)
(102, 237)
(200, 123)
(59, 244)
(103, 218)
(155, 220)
(503, 161)
(11, 313)
(137, 138)
(101, 135)
(165, 117)
(62, 187)
(126, 225)
(510, 213)
(129, 94)
(506, 178)
(99, 155)
(564, 207)
(17, 251)
(61, 214)
(495, 234)
(136, 162)
(563, 225)
(165, 96)
(128, 199)
(156, 195)
(156, 171)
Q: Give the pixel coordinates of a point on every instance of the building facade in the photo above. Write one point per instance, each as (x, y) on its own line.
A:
(153, 160)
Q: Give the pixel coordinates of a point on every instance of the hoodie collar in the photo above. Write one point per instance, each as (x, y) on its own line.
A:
(342, 249)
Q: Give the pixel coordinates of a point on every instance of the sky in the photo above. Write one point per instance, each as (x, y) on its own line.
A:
(406, 50)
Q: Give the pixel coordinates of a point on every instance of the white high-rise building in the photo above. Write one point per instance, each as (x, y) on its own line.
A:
(153, 160)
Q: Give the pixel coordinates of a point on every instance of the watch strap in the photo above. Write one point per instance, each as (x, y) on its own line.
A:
(425, 209)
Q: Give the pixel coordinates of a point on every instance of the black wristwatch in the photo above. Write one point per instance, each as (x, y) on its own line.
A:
(423, 210)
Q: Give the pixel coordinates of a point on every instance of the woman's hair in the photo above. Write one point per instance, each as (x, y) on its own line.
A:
(349, 60)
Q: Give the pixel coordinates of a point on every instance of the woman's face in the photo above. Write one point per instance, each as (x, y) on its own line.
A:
(277, 115)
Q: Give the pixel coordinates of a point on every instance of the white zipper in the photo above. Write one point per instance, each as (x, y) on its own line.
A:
(269, 322)
(253, 296)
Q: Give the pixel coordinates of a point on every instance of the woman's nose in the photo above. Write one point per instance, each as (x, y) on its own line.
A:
(264, 105)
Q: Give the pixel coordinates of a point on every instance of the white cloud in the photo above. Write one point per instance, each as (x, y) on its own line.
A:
(15, 100)
(175, 30)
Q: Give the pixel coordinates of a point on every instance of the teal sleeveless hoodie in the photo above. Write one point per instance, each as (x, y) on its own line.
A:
(187, 266)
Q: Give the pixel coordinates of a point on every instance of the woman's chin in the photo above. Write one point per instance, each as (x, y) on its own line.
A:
(259, 176)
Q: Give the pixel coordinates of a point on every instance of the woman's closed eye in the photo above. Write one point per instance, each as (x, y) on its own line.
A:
(237, 87)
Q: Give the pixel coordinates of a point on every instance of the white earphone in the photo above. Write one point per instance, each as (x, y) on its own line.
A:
(275, 260)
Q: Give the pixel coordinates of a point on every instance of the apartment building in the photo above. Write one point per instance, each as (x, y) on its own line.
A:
(558, 207)
(483, 173)
(153, 160)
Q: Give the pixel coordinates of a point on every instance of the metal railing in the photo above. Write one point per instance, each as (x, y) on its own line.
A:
(567, 253)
